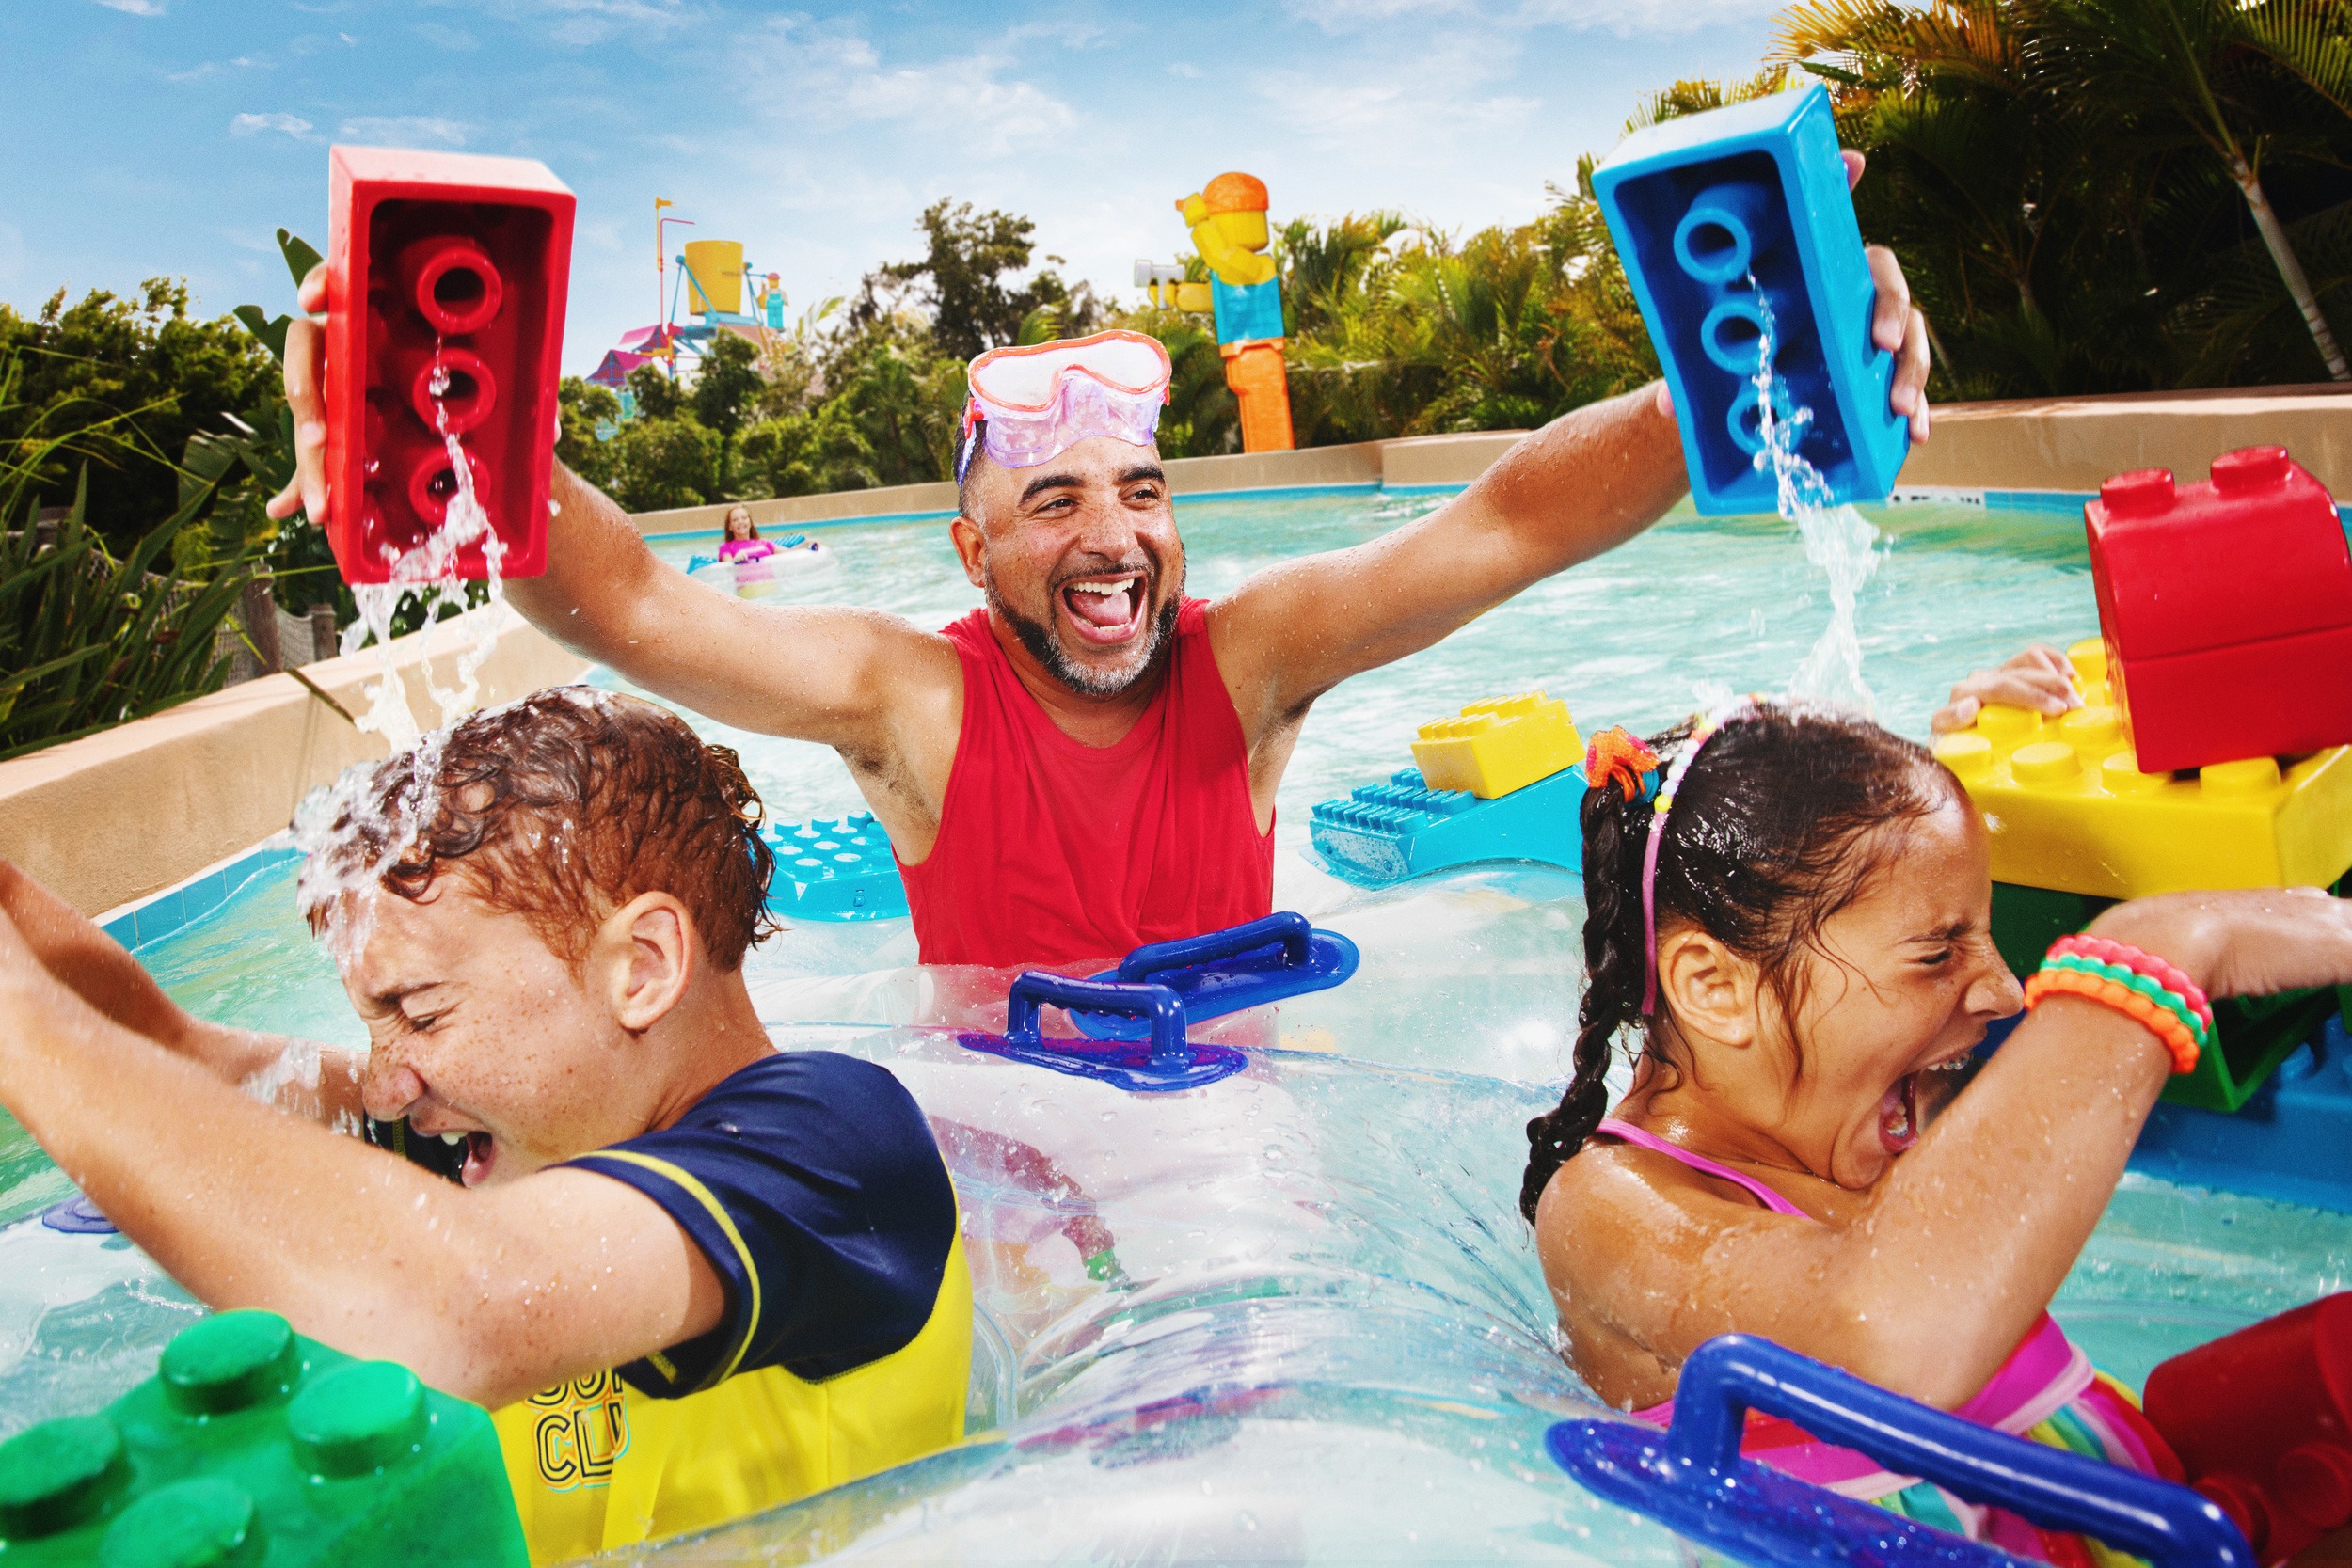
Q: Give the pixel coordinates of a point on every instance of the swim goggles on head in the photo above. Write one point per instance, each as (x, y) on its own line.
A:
(1030, 404)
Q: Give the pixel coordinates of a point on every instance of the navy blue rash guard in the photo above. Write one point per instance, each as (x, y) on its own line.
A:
(811, 1181)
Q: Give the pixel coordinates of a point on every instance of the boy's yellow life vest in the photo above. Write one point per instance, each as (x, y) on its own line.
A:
(596, 1465)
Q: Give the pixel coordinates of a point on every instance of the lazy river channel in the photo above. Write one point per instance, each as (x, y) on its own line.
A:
(1320, 1335)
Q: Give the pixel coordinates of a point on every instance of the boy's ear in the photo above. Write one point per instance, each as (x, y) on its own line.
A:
(642, 960)
(1710, 990)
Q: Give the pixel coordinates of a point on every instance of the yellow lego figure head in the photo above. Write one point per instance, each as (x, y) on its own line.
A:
(1228, 221)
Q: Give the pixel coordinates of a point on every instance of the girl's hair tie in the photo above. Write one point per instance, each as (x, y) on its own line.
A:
(1618, 756)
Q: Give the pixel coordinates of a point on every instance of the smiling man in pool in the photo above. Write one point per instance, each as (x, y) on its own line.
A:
(693, 1277)
(1090, 761)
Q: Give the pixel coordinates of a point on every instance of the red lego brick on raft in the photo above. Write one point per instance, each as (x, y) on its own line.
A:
(2227, 610)
(2262, 1420)
(451, 265)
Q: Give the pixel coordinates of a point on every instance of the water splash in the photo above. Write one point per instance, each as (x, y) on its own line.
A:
(1838, 539)
(336, 886)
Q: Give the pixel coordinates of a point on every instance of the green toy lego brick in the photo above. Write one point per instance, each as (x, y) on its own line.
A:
(253, 1445)
(2255, 1032)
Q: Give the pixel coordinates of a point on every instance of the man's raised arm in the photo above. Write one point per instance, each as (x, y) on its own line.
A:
(826, 673)
(1584, 483)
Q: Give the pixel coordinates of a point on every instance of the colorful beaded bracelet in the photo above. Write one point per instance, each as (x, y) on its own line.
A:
(2138, 985)
(2147, 963)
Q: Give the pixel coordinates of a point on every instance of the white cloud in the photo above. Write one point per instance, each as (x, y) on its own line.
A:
(253, 125)
(455, 40)
(1337, 16)
(403, 131)
(135, 7)
(1190, 72)
(210, 69)
(586, 22)
(1414, 105)
(830, 71)
(1643, 18)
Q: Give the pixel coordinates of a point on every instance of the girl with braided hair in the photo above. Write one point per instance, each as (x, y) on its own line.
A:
(1789, 917)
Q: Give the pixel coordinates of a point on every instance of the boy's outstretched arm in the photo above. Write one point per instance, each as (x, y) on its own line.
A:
(95, 968)
(491, 1295)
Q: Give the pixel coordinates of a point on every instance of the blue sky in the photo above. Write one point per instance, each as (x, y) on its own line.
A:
(173, 136)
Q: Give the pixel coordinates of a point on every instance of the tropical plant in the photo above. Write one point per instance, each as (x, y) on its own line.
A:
(89, 639)
(2057, 176)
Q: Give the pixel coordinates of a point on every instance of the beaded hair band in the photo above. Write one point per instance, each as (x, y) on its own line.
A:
(1705, 731)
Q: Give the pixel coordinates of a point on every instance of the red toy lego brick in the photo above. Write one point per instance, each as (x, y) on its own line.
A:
(2262, 1421)
(446, 285)
(2227, 610)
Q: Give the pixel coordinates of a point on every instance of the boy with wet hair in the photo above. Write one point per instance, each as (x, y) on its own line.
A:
(693, 1278)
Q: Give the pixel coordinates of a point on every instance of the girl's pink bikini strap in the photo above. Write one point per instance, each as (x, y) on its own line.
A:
(1628, 1132)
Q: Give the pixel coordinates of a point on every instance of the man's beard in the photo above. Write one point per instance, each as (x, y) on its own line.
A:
(1047, 649)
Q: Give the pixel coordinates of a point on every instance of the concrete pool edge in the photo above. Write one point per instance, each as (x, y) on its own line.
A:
(2055, 451)
(199, 786)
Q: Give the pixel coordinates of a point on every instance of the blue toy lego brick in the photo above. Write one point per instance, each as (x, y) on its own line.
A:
(1250, 965)
(1387, 832)
(837, 870)
(1723, 217)
(2291, 1141)
(1251, 311)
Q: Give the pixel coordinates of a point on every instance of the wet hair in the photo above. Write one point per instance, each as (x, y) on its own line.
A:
(560, 808)
(1771, 835)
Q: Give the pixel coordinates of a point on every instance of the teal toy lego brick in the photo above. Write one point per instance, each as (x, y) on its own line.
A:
(835, 870)
(1385, 832)
(253, 1445)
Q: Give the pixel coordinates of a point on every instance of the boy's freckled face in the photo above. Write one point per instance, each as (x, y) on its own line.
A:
(1909, 981)
(477, 1028)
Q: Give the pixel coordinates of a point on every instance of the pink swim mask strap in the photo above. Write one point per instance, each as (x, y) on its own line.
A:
(1705, 731)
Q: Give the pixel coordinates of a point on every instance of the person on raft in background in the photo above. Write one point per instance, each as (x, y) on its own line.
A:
(726, 1276)
(1090, 762)
(743, 541)
(1793, 919)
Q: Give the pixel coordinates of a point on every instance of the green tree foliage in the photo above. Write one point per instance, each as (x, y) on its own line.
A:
(960, 283)
(144, 371)
(2072, 185)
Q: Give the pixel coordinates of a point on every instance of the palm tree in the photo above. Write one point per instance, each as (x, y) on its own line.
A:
(2194, 68)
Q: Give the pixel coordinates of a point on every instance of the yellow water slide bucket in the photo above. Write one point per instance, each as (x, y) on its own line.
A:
(715, 266)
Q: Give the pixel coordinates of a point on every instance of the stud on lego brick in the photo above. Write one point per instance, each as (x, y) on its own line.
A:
(1728, 218)
(252, 1444)
(1498, 744)
(447, 277)
(2225, 608)
(835, 870)
(2070, 808)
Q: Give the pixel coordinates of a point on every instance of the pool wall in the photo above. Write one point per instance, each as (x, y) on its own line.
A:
(118, 816)
(2045, 451)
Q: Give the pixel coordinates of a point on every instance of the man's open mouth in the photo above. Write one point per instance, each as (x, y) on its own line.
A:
(1105, 611)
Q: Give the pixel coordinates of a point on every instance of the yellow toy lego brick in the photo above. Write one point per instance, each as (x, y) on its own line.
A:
(2069, 809)
(1499, 744)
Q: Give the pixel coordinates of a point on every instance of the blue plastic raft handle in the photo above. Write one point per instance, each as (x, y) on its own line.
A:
(1128, 999)
(1726, 1377)
(1294, 931)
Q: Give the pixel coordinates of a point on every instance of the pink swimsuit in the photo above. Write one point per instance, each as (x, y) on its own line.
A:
(2047, 1390)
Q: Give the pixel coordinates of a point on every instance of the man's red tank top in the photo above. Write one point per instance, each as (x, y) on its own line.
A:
(1055, 852)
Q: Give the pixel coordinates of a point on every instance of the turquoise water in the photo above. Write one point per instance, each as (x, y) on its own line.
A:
(1328, 1341)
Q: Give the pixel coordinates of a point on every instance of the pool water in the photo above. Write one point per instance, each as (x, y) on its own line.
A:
(1324, 1338)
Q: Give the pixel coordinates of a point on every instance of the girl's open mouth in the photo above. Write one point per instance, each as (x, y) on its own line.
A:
(1899, 1115)
(1105, 611)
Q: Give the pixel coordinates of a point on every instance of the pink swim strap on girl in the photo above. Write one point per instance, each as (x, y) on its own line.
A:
(1705, 731)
